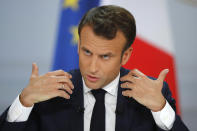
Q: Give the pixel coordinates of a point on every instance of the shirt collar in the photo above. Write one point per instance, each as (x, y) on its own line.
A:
(111, 88)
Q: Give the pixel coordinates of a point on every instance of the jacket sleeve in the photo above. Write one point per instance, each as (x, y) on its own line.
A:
(10, 126)
(31, 124)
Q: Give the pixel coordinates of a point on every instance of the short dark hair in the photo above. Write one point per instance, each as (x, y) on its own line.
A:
(107, 20)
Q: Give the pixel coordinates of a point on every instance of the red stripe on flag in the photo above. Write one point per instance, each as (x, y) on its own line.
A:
(151, 60)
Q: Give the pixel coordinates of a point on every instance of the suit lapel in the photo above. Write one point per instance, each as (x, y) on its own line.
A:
(124, 115)
(77, 101)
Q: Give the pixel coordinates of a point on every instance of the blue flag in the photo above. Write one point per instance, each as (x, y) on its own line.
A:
(66, 56)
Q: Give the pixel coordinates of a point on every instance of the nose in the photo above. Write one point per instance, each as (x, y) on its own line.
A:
(93, 65)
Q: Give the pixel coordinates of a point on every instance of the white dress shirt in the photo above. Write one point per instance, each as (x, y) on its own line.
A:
(164, 118)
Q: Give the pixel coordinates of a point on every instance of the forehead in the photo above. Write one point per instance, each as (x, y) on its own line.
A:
(93, 42)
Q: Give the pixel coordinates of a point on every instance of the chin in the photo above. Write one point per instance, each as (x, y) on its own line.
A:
(92, 85)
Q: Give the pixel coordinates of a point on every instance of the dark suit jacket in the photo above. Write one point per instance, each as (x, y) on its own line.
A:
(59, 114)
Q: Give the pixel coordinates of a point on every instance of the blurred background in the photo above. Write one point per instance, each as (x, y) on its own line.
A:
(28, 33)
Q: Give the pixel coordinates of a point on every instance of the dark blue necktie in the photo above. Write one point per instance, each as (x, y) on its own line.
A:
(98, 114)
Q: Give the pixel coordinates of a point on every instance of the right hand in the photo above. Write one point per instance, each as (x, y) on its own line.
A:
(50, 85)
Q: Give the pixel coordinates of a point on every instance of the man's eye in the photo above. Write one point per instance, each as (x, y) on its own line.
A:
(87, 52)
(106, 57)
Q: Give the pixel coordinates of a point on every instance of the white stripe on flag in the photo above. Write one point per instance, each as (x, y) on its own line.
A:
(152, 21)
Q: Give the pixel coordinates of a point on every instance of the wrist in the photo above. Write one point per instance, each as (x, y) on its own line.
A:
(160, 107)
(25, 101)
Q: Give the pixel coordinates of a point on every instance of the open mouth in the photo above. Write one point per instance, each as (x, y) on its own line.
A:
(92, 78)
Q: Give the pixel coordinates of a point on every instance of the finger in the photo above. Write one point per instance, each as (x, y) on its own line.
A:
(65, 81)
(60, 79)
(127, 85)
(127, 93)
(55, 73)
(163, 74)
(34, 70)
(66, 88)
(61, 93)
(68, 74)
(130, 78)
(137, 73)
(59, 73)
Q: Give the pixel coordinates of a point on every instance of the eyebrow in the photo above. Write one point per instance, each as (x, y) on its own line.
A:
(108, 53)
(85, 49)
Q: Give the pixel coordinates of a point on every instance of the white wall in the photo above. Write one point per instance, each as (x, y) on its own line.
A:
(27, 34)
(183, 22)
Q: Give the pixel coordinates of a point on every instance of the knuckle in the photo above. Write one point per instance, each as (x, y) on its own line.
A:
(63, 80)
(61, 71)
(135, 69)
(66, 87)
(66, 73)
(65, 77)
(58, 79)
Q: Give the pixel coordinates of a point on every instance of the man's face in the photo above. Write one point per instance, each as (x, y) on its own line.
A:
(100, 59)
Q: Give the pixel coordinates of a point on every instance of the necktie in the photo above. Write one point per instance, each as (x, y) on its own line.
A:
(98, 114)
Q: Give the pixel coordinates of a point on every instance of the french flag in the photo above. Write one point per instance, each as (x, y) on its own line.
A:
(153, 48)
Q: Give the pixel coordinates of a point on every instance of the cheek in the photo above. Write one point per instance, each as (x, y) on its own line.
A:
(112, 67)
(84, 63)
(82, 58)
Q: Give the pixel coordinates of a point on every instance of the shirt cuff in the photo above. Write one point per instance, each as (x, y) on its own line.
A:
(17, 112)
(165, 118)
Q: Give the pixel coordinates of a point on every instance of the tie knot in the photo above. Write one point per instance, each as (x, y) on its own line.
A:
(99, 94)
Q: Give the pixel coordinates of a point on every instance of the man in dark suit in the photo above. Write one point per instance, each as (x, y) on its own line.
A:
(101, 95)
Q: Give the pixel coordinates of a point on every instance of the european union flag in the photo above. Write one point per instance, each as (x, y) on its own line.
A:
(66, 56)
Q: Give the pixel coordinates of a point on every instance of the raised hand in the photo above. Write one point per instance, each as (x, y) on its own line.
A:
(145, 90)
(50, 85)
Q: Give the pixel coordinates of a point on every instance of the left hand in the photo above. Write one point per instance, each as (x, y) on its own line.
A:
(145, 90)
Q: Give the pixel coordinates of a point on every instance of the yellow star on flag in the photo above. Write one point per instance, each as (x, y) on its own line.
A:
(75, 36)
(74, 4)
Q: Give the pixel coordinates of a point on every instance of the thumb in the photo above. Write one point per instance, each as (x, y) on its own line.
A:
(34, 70)
(163, 74)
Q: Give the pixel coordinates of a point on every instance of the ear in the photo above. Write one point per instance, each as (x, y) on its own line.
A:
(126, 55)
